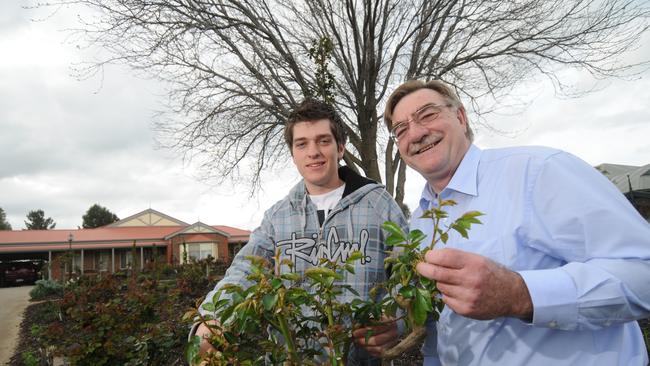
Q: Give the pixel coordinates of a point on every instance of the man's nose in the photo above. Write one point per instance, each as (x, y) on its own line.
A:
(416, 131)
(312, 149)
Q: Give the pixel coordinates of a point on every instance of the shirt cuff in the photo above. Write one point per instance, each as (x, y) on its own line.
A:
(554, 298)
(192, 332)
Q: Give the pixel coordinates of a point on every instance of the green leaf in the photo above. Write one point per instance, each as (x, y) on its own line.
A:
(461, 230)
(276, 283)
(354, 256)
(394, 229)
(393, 240)
(320, 271)
(440, 213)
(443, 203)
(422, 306)
(291, 276)
(472, 214)
(209, 307)
(407, 292)
(230, 337)
(428, 214)
(416, 236)
(192, 351)
(349, 288)
(269, 301)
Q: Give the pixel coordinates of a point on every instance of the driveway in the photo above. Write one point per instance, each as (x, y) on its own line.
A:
(13, 301)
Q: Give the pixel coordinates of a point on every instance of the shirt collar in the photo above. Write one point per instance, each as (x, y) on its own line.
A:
(464, 180)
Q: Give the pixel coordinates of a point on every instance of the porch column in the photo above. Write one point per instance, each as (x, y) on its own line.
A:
(82, 261)
(112, 260)
(49, 265)
(141, 258)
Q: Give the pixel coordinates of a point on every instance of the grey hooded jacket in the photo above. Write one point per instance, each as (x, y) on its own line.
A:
(354, 224)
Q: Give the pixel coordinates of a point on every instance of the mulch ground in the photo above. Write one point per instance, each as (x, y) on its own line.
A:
(38, 314)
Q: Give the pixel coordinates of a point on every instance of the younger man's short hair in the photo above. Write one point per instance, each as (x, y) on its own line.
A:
(310, 110)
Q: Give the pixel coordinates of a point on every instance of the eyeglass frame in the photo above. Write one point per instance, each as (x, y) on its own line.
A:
(417, 120)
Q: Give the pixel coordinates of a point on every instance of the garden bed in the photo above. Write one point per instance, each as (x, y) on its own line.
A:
(43, 317)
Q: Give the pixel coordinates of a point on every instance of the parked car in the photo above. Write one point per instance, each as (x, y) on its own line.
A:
(18, 272)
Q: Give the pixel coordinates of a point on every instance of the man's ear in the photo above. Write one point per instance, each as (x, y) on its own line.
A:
(462, 116)
(341, 151)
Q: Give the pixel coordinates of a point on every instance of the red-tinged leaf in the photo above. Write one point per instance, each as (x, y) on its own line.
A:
(444, 203)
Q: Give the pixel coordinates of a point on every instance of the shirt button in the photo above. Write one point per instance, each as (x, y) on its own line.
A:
(552, 324)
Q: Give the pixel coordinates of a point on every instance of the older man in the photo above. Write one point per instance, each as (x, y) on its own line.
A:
(560, 268)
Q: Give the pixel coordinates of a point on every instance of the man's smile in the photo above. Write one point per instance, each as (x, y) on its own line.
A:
(428, 143)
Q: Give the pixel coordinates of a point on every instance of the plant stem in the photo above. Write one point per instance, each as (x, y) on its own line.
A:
(288, 337)
(330, 322)
(436, 225)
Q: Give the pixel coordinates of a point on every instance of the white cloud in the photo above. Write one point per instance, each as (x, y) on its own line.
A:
(68, 144)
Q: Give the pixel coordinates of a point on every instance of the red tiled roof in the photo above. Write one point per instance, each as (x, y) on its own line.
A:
(235, 234)
(101, 237)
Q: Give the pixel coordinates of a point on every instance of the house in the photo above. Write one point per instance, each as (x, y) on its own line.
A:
(633, 182)
(134, 241)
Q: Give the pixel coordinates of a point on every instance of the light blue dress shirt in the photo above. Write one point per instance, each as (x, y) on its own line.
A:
(581, 248)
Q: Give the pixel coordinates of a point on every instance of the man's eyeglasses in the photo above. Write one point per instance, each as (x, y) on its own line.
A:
(423, 117)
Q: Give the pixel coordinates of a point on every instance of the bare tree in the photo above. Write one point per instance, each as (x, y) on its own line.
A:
(236, 67)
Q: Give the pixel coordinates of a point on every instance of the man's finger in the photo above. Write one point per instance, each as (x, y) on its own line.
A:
(448, 257)
(438, 273)
(449, 290)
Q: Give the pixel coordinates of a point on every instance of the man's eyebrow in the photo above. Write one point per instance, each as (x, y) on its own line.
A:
(317, 137)
(420, 108)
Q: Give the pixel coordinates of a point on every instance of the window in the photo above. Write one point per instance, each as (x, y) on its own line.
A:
(126, 258)
(76, 266)
(198, 251)
(76, 262)
(104, 260)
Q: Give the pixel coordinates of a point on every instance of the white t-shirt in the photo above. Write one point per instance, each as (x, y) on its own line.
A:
(326, 202)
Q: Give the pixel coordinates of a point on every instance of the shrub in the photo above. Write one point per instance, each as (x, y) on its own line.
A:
(117, 321)
(44, 289)
(245, 322)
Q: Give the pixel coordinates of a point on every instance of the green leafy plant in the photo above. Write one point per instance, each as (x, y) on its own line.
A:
(268, 321)
(29, 359)
(412, 297)
(124, 320)
(44, 289)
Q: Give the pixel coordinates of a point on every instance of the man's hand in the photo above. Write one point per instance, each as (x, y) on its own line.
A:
(204, 332)
(475, 286)
(382, 337)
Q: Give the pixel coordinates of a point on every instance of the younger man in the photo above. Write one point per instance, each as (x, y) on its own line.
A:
(332, 212)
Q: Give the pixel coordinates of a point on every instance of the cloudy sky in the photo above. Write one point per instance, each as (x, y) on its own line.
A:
(67, 144)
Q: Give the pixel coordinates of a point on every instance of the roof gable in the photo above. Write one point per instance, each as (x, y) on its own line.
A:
(198, 228)
(149, 217)
(637, 179)
(613, 170)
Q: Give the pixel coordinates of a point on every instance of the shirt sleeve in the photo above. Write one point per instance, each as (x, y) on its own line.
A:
(261, 243)
(581, 221)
